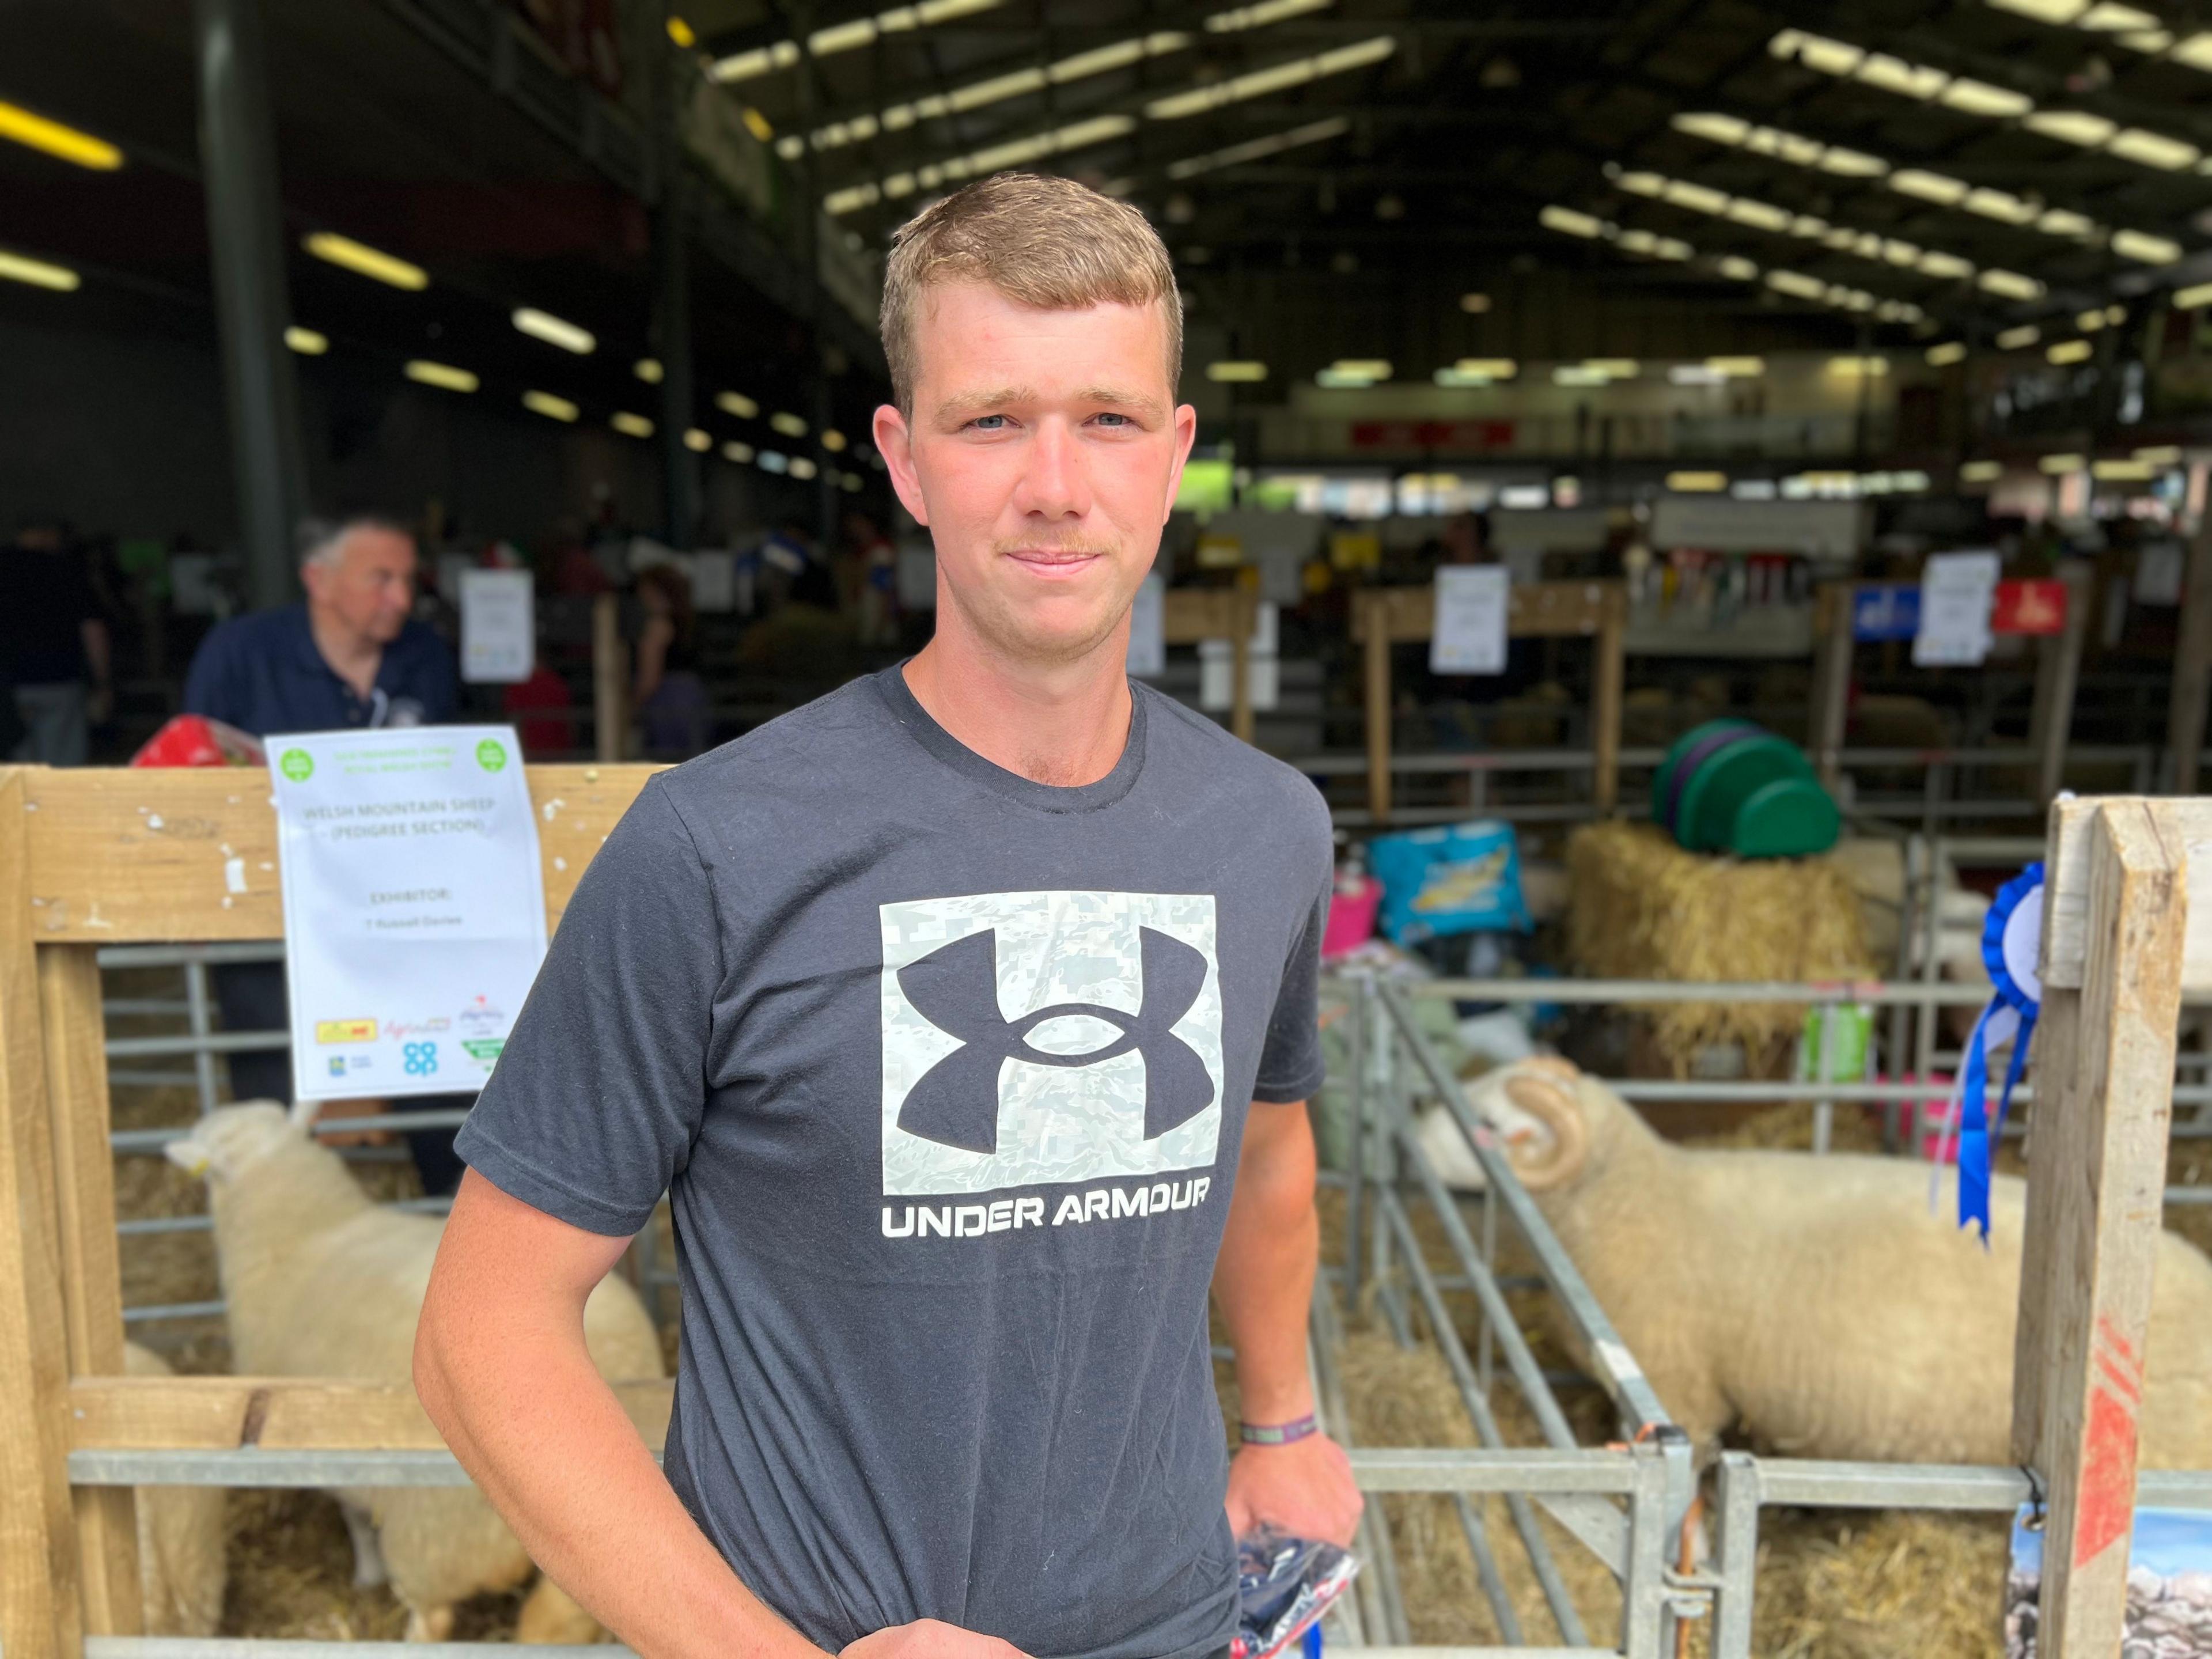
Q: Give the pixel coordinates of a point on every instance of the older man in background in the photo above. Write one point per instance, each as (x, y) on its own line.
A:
(350, 655)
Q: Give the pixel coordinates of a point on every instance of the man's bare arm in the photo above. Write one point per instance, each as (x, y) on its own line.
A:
(1263, 1281)
(501, 1366)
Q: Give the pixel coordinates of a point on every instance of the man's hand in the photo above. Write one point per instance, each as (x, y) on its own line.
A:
(1304, 1488)
(929, 1639)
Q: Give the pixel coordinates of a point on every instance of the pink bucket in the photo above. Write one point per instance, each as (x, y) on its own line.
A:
(1351, 916)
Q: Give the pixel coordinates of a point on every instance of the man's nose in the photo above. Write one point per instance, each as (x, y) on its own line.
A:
(1055, 483)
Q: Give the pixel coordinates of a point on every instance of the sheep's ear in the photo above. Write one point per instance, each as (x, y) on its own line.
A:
(301, 1114)
(189, 1155)
(1551, 1102)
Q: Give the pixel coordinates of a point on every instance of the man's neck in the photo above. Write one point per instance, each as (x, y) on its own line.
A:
(352, 657)
(1066, 724)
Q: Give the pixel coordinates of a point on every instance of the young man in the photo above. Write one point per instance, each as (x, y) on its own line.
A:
(970, 1012)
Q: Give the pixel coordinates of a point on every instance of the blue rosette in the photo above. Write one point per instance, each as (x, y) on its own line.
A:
(2012, 942)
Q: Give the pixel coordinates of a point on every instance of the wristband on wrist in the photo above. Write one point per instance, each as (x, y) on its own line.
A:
(1277, 1434)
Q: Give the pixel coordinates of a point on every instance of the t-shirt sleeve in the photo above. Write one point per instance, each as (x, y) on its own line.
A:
(597, 1096)
(1290, 1065)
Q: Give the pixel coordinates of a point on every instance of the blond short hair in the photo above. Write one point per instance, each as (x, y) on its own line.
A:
(1040, 241)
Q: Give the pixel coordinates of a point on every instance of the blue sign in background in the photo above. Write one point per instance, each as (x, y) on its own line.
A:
(1888, 612)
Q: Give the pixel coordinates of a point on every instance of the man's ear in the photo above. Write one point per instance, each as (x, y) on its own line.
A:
(1186, 433)
(894, 443)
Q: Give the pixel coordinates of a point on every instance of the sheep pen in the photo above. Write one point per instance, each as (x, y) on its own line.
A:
(1829, 1584)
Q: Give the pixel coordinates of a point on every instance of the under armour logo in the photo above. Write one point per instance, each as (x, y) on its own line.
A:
(956, 1104)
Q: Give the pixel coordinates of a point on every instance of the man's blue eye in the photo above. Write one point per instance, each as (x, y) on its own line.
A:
(1121, 420)
(983, 423)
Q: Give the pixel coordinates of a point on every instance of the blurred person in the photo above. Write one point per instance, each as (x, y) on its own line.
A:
(55, 651)
(876, 580)
(945, 1389)
(347, 655)
(666, 691)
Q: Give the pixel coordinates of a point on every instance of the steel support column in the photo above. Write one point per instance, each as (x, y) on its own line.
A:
(245, 237)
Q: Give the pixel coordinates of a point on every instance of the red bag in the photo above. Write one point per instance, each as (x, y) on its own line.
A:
(196, 740)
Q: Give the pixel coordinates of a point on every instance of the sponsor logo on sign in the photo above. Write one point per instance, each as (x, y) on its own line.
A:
(345, 1030)
(484, 1048)
(490, 755)
(297, 764)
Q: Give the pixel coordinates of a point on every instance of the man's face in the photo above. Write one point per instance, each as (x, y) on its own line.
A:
(1044, 452)
(369, 588)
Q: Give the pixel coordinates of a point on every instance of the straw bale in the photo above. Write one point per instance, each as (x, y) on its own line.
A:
(1639, 907)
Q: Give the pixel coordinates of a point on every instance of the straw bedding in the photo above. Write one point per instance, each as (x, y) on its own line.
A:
(1638, 906)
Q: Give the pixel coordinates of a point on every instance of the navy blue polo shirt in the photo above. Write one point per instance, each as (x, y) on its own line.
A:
(262, 673)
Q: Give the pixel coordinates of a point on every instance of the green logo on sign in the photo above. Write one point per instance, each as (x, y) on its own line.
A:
(484, 1048)
(297, 765)
(490, 755)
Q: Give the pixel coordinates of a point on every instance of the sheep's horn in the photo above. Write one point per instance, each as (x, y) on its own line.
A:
(1544, 1097)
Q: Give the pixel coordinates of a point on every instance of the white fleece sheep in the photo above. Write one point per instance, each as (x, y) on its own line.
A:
(180, 1541)
(1817, 1301)
(322, 1282)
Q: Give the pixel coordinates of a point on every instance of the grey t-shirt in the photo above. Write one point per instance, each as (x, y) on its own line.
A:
(946, 1072)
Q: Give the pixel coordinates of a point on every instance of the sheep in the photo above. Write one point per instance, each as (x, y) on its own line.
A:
(1816, 1301)
(322, 1282)
(180, 1541)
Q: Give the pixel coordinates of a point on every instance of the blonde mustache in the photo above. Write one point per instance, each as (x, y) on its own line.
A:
(1032, 545)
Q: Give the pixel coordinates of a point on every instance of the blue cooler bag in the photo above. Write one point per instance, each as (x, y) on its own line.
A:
(1463, 878)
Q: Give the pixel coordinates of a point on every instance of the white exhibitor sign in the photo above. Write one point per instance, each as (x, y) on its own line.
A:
(499, 627)
(1956, 593)
(1472, 601)
(413, 909)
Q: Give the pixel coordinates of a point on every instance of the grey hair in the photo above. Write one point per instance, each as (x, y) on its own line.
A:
(321, 541)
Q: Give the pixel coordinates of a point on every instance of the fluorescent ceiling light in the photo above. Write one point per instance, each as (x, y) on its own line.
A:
(444, 375)
(1614, 368)
(980, 94)
(790, 425)
(365, 261)
(1236, 373)
(2190, 299)
(801, 467)
(2160, 455)
(2001, 205)
(2121, 471)
(554, 331)
(1575, 375)
(1928, 186)
(636, 425)
(648, 370)
(1014, 152)
(1796, 283)
(305, 341)
(736, 404)
(1459, 379)
(2010, 284)
(1255, 150)
(2058, 463)
(1741, 270)
(2015, 340)
(36, 132)
(845, 37)
(697, 442)
(735, 451)
(1474, 304)
(2070, 351)
(38, 273)
(1572, 223)
(1981, 471)
(1689, 484)
(1336, 379)
(1498, 368)
(774, 460)
(545, 404)
(1871, 367)
(1735, 267)
(1949, 352)
(1694, 375)
(682, 33)
(1971, 97)
(832, 440)
(1753, 489)
(2064, 221)
(1262, 14)
(850, 482)
(1276, 77)
(1737, 367)
(2149, 249)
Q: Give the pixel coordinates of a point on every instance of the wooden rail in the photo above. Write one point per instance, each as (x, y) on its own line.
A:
(1596, 610)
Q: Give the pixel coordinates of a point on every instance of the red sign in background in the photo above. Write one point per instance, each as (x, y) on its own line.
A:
(1432, 434)
(2029, 607)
